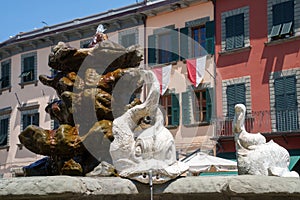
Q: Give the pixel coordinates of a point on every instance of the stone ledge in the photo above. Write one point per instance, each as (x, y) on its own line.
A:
(216, 187)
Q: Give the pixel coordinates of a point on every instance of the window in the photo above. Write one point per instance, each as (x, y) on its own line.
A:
(286, 103)
(234, 31)
(197, 38)
(4, 124)
(170, 104)
(200, 113)
(30, 119)
(128, 40)
(128, 37)
(29, 68)
(196, 106)
(5, 75)
(283, 20)
(163, 46)
(235, 94)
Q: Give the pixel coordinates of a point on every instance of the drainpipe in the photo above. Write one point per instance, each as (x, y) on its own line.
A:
(144, 18)
(215, 80)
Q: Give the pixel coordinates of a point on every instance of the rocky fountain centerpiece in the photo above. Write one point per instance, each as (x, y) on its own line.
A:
(101, 120)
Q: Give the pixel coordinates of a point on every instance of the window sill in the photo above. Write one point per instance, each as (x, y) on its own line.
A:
(163, 64)
(4, 89)
(4, 147)
(232, 51)
(197, 124)
(35, 82)
(208, 56)
(281, 41)
(171, 126)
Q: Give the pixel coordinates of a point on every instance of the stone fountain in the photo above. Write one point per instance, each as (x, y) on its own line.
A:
(101, 120)
(106, 130)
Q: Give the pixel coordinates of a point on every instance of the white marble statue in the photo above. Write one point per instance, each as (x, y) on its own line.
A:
(142, 146)
(255, 156)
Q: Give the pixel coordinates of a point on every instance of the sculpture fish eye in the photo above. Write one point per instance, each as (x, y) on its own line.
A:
(138, 150)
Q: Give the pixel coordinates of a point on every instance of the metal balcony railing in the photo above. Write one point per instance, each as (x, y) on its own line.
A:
(263, 121)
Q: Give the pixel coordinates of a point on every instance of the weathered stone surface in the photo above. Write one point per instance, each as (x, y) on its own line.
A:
(139, 153)
(245, 187)
(255, 156)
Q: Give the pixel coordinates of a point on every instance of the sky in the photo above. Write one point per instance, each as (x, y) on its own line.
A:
(26, 15)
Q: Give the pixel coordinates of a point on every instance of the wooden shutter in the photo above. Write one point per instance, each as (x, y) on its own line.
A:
(175, 109)
(5, 75)
(286, 103)
(210, 37)
(186, 108)
(3, 131)
(283, 12)
(174, 45)
(235, 94)
(36, 119)
(209, 96)
(25, 121)
(184, 43)
(235, 31)
(195, 102)
(230, 32)
(239, 31)
(152, 49)
(279, 94)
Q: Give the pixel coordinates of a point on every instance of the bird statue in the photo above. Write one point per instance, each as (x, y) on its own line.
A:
(255, 156)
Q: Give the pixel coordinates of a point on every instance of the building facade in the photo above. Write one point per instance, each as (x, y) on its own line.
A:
(173, 42)
(187, 108)
(24, 57)
(257, 59)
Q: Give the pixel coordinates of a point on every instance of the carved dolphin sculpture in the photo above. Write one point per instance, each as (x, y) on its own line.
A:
(255, 156)
(141, 141)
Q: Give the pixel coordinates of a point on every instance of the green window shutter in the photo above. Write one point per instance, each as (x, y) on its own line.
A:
(25, 121)
(175, 46)
(152, 49)
(230, 92)
(285, 93)
(286, 103)
(210, 37)
(3, 131)
(195, 106)
(235, 31)
(209, 97)
(283, 12)
(186, 108)
(239, 30)
(184, 43)
(279, 94)
(175, 109)
(36, 119)
(235, 94)
(240, 93)
(230, 32)
(5, 75)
